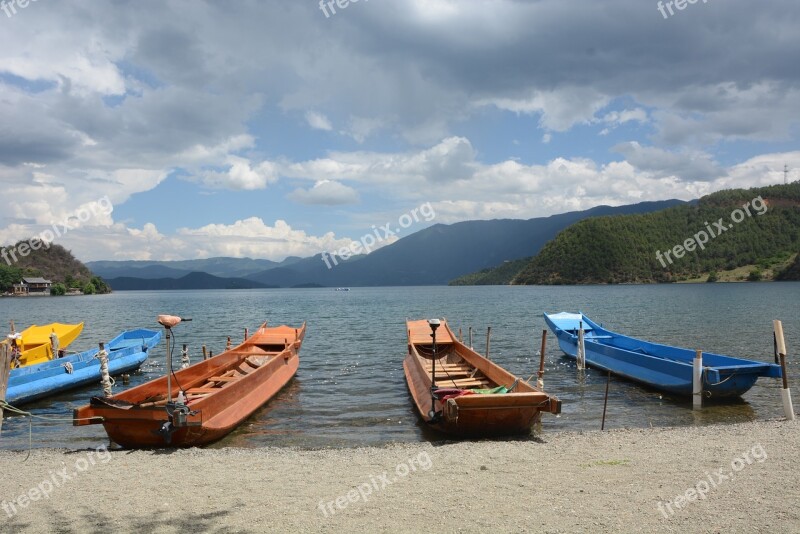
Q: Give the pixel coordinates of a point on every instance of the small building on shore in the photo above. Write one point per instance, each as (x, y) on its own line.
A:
(36, 285)
(20, 289)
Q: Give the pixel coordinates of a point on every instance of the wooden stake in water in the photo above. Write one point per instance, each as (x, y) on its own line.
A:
(540, 378)
(697, 381)
(470, 337)
(786, 395)
(205, 353)
(488, 339)
(605, 402)
(460, 339)
(5, 371)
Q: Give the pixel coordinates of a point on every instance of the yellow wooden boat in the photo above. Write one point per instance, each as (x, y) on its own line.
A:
(34, 341)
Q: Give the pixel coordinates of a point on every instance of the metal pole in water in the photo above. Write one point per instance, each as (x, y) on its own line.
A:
(697, 381)
(605, 403)
(786, 395)
(169, 367)
(434, 324)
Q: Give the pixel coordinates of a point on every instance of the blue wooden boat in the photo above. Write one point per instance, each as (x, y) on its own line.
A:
(126, 353)
(661, 367)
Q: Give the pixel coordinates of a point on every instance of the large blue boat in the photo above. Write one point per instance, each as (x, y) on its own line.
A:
(126, 352)
(661, 367)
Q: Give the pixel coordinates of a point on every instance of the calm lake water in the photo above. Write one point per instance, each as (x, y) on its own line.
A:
(350, 389)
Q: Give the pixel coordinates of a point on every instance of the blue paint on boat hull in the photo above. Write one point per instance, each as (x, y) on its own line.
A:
(126, 352)
(661, 367)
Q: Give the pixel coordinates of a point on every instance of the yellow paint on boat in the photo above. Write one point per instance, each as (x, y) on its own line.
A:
(36, 341)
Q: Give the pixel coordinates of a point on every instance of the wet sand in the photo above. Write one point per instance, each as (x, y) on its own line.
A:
(735, 478)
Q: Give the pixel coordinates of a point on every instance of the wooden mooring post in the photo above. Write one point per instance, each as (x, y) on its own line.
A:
(581, 356)
(540, 377)
(786, 395)
(5, 370)
(488, 340)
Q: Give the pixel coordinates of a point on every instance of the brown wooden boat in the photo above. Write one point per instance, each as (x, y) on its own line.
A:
(210, 398)
(472, 396)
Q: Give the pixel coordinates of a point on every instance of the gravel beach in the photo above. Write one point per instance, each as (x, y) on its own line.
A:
(736, 478)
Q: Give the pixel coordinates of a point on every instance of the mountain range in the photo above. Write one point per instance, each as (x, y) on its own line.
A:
(433, 256)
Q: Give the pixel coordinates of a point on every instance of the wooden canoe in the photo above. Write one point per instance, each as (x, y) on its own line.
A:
(220, 393)
(462, 407)
(35, 341)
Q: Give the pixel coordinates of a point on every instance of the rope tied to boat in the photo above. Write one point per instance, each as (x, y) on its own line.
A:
(68, 367)
(105, 378)
(185, 362)
(705, 381)
(13, 409)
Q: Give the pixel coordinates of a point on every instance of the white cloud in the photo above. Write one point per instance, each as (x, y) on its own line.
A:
(318, 121)
(326, 193)
(558, 110)
(686, 165)
(241, 175)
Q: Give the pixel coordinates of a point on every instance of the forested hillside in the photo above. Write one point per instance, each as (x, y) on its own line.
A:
(759, 227)
(54, 263)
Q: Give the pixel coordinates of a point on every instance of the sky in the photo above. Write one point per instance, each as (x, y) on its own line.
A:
(189, 129)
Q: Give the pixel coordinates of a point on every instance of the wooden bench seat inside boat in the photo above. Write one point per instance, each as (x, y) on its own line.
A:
(452, 374)
(466, 383)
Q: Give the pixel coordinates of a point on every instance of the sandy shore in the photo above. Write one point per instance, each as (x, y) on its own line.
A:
(739, 478)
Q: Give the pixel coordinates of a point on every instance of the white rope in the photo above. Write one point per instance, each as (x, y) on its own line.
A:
(105, 378)
(68, 367)
(185, 362)
(54, 344)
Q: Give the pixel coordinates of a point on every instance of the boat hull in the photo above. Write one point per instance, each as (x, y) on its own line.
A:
(476, 415)
(222, 393)
(36, 347)
(661, 367)
(35, 382)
